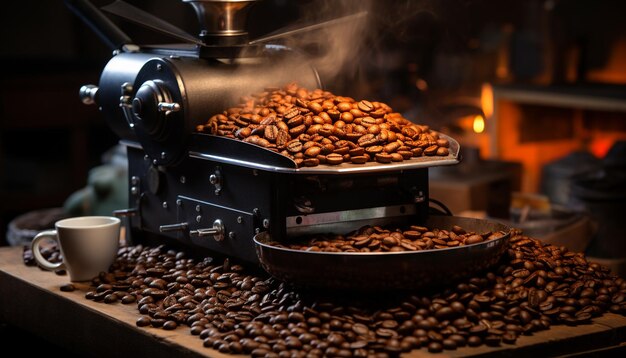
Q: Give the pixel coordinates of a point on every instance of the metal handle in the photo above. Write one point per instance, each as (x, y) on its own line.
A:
(168, 107)
(125, 212)
(217, 231)
(173, 227)
(126, 103)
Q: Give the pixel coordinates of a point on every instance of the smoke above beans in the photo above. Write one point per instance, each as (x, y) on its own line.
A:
(378, 239)
(235, 310)
(317, 127)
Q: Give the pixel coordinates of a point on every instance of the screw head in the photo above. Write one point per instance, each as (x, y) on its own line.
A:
(198, 218)
(198, 208)
(164, 205)
(159, 67)
(183, 179)
(163, 155)
(231, 235)
(266, 223)
(239, 219)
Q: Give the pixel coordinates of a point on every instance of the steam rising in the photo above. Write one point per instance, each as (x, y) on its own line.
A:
(340, 51)
(335, 48)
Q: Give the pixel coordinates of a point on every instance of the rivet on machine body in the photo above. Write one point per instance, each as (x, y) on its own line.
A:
(164, 205)
(198, 218)
(159, 67)
(134, 180)
(231, 235)
(198, 208)
(266, 223)
(183, 179)
(240, 219)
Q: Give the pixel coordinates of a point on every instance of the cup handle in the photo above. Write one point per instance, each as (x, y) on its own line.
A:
(52, 234)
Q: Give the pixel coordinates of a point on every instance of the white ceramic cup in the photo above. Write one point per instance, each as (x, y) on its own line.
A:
(89, 245)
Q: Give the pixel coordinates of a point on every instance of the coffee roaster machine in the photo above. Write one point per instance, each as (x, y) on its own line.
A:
(216, 192)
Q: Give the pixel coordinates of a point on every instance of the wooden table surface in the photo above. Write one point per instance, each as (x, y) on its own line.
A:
(30, 298)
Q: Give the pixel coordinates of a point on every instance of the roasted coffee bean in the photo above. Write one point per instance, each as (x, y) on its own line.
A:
(143, 321)
(68, 287)
(435, 347)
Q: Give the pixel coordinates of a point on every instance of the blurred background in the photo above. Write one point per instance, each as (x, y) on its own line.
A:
(535, 92)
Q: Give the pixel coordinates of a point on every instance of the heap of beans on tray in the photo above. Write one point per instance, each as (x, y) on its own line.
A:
(314, 127)
(378, 239)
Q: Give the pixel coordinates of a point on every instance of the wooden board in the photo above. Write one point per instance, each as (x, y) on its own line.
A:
(31, 299)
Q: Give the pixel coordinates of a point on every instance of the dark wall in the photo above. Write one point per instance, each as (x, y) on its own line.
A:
(49, 140)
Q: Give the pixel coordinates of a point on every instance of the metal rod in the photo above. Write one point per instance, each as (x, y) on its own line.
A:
(295, 29)
(112, 36)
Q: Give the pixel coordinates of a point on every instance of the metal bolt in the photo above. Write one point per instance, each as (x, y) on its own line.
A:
(159, 67)
(266, 223)
(179, 202)
(257, 230)
(218, 191)
(213, 179)
(198, 208)
(198, 218)
(256, 211)
(183, 179)
(155, 162)
(134, 180)
(231, 235)
(164, 205)
(146, 157)
(163, 155)
(239, 219)
(134, 190)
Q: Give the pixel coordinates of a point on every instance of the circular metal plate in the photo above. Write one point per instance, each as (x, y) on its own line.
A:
(386, 270)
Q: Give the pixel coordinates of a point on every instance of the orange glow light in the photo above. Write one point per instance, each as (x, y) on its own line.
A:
(486, 100)
(479, 124)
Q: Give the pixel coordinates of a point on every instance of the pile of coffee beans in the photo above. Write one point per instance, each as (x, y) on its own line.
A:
(49, 252)
(234, 310)
(378, 239)
(316, 127)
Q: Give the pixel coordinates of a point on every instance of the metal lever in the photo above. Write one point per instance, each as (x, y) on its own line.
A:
(126, 103)
(173, 227)
(168, 107)
(217, 231)
(125, 212)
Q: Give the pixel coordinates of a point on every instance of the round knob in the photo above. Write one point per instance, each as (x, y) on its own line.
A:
(145, 108)
(87, 94)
